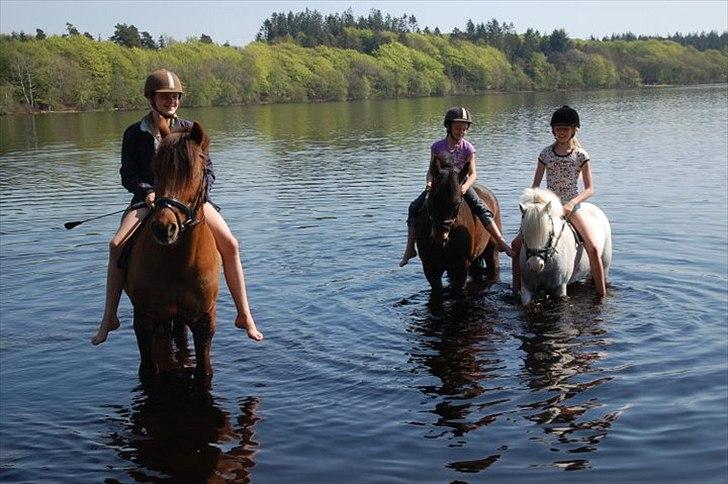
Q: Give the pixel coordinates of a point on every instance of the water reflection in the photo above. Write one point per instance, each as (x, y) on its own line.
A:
(455, 345)
(563, 341)
(180, 433)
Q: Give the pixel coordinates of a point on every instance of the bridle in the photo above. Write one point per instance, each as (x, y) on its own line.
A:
(189, 210)
(546, 252)
(442, 224)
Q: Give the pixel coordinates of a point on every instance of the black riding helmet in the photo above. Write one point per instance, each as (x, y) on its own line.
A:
(456, 114)
(565, 116)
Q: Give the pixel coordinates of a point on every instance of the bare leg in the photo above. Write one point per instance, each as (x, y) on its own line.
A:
(229, 250)
(114, 276)
(595, 260)
(503, 246)
(516, 265)
(409, 251)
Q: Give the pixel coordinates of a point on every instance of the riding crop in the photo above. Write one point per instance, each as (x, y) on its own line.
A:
(70, 225)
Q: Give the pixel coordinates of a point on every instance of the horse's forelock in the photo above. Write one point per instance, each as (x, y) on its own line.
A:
(535, 225)
(542, 197)
(177, 161)
(445, 184)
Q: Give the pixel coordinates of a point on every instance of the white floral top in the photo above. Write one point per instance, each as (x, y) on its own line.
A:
(562, 172)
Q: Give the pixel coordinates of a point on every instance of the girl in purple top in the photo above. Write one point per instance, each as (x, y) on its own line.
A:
(462, 153)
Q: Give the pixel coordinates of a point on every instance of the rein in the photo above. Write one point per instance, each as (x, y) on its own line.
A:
(546, 252)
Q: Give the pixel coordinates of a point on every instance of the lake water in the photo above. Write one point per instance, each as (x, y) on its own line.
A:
(363, 376)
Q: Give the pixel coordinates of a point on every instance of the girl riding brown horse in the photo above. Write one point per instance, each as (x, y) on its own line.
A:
(173, 268)
(164, 91)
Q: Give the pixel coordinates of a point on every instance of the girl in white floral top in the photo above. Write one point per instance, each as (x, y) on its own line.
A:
(563, 162)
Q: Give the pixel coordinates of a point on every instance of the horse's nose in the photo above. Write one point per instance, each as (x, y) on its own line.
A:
(536, 264)
(164, 233)
(442, 235)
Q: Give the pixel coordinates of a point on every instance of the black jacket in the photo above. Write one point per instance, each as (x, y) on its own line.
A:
(137, 152)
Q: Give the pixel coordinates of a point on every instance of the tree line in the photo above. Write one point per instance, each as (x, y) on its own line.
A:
(369, 57)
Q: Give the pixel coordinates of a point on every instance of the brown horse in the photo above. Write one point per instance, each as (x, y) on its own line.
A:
(450, 237)
(174, 267)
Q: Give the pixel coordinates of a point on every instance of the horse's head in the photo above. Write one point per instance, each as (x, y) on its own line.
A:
(541, 211)
(179, 174)
(445, 197)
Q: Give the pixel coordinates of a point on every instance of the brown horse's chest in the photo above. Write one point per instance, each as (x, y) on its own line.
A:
(467, 238)
(173, 280)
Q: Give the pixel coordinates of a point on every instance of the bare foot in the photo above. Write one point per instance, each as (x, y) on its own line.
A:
(406, 257)
(247, 323)
(105, 328)
(504, 247)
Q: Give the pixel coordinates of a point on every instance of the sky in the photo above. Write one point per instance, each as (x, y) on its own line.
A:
(237, 22)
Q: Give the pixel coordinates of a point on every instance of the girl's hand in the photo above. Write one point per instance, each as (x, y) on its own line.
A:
(463, 189)
(149, 199)
(428, 186)
(568, 208)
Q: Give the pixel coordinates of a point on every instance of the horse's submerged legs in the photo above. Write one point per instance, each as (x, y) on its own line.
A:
(492, 262)
(458, 275)
(202, 331)
(434, 276)
(145, 340)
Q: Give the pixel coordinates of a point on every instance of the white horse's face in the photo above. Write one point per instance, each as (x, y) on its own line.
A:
(537, 228)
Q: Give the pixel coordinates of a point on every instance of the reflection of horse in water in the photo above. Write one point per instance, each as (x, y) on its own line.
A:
(174, 266)
(480, 390)
(450, 238)
(454, 344)
(180, 433)
(551, 257)
(562, 345)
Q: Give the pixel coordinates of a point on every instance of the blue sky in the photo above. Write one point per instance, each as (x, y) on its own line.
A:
(237, 22)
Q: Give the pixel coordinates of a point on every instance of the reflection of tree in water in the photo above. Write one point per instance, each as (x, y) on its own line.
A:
(562, 342)
(180, 434)
(455, 344)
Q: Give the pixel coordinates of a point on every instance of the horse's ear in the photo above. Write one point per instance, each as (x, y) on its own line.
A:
(197, 134)
(547, 207)
(522, 207)
(440, 162)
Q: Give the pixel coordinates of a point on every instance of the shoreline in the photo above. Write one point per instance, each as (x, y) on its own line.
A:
(109, 110)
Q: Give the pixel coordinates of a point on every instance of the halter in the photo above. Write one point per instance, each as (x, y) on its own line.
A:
(189, 211)
(550, 248)
(443, 224)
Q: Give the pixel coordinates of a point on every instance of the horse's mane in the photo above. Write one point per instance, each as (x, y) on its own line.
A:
(177, 163)
(536, 204)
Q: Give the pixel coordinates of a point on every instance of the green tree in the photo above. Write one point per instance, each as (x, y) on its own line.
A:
(126, 35)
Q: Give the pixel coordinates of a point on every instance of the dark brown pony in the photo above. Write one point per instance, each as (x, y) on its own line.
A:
(450, 237)
(174, 267)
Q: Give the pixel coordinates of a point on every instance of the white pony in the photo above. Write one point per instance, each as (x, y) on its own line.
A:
(551, 257)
